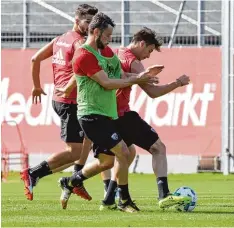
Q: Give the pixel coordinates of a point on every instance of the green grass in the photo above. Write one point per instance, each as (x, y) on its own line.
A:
(215, 204)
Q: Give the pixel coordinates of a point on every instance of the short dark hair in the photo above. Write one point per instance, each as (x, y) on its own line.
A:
(149, 36)
(101, 21)
(85, 9)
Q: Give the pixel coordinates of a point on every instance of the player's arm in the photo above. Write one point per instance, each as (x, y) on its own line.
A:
(44, 53)
(72, 82)
(87, 64)
(152, 71)
(102, 78)
(154, 90)
(127, 75)
(69, 87)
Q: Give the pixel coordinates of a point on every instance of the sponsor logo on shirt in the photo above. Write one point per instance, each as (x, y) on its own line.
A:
(63, 44)
(58, 58)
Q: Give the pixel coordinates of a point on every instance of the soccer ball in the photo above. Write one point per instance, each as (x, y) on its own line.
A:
(186, 191)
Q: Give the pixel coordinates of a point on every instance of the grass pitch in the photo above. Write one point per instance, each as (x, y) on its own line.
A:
(215, 206)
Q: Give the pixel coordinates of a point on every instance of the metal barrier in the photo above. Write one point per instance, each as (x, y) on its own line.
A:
(32, 23)
(228, 87)
(21, 156)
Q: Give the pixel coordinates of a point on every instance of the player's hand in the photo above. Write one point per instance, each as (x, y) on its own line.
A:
(183, 80)
(64, 91)
(145, 77)
(154, 70)
(36, 95)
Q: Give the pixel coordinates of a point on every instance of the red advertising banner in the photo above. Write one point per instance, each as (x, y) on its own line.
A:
(188, 119)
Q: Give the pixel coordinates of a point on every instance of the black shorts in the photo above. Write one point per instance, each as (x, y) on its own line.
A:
(133, 130)
(71, 131)
(100, 130)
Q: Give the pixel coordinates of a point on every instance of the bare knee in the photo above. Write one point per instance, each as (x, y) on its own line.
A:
(106, 161)
(121, 151)
(158, 147)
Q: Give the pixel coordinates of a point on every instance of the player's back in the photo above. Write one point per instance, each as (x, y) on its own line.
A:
(63, 51)
(126, 58)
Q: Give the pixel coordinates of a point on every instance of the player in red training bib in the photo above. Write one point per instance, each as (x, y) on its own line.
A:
(132, 128)
(61, 49)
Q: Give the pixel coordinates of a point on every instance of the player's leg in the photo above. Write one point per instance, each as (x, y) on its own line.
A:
(159, 163)
(109, 201)
(94, 167)
(87, 147)
(106, 178)
(79, 164)
(63, 167)
(109, 198)
(93, 125)
(121, 173)
(104, 162)
(120, 124)
(89, 170)
(66, 190)
(110, 139)
(106, 175)
(69, 128)
(147, 138)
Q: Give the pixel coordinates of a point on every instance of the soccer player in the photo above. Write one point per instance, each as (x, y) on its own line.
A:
(61, 49)
(98, 75)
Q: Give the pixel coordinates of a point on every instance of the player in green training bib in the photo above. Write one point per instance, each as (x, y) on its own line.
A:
(98, 75)
(93, 98)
